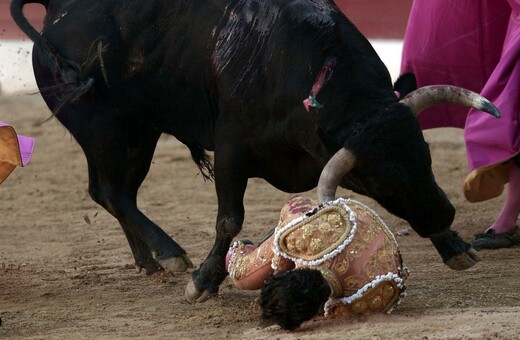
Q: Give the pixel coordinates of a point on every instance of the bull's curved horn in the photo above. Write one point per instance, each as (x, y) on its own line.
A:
(335, 169)
(427, 96)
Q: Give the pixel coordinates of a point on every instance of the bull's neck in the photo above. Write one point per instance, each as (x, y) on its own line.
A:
(344, 117)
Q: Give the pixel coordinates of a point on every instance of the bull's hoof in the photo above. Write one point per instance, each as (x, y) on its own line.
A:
(192, 294)
(150, 267)
(206, 280)
(456, 253)
(464, 261)
(176, 264)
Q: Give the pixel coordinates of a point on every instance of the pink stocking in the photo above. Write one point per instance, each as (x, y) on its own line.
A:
(506, 220)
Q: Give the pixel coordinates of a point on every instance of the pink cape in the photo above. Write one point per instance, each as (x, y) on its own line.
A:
(15, 150)
(476, 45)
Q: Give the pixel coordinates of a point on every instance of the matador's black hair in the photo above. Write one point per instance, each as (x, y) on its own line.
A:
(290, 298)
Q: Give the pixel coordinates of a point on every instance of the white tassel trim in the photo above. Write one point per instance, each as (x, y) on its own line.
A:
(233, 249)
(298, 261)
(349, 299)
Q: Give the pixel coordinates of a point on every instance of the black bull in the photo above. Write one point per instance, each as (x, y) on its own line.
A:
(230, 76)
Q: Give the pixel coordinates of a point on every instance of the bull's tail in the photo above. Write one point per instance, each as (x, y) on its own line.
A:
(20, 19)
(203, 161)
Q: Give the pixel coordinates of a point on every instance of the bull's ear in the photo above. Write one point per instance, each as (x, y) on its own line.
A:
(405, 84)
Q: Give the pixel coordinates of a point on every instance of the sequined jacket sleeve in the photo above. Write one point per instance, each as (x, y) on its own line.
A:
(249, 266)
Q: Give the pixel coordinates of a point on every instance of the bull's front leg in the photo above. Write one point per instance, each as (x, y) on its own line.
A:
(230, 182)
(455, 252)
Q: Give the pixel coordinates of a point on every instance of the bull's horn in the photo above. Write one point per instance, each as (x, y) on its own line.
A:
(335, 169)
(427, 96)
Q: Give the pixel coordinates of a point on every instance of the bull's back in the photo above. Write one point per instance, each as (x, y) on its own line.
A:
(193, 61)
(153, 50)
(135, 37)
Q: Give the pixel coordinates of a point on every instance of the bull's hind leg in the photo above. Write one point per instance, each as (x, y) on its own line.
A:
(119, 157)
(140, 154)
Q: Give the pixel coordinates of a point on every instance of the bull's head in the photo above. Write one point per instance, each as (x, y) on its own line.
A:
(389, 160)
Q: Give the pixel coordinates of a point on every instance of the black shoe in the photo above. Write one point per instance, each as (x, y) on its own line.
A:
(491, 240)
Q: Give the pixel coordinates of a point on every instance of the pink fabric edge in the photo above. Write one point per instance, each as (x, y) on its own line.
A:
(25, 145)
(26, 148)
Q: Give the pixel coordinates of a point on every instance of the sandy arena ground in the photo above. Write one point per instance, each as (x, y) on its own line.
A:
(66, 270)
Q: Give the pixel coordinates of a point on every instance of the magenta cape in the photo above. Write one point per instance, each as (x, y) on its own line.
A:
(474, 44)
(15, 150)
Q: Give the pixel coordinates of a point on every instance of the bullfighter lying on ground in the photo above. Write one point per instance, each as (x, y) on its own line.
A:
(339, 255)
